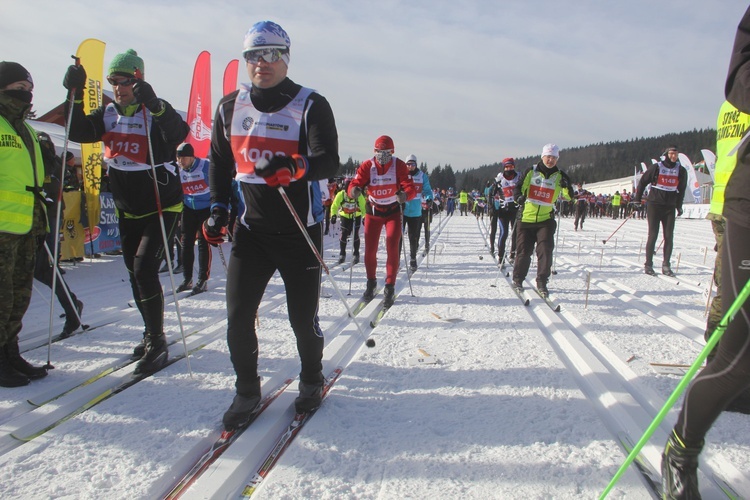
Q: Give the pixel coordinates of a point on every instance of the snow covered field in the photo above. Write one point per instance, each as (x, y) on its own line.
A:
(521, 403)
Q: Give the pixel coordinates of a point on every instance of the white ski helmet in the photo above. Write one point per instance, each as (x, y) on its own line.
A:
(411, 158)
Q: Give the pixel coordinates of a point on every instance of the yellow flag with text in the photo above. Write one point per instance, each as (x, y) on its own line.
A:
(91, 55)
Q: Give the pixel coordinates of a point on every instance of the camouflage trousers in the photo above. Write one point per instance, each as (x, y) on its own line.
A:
(17, 260)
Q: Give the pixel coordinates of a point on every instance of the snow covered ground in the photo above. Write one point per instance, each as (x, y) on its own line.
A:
(509, 410)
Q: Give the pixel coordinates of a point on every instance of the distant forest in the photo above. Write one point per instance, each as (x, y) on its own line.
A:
(603, 161)
(589, 164)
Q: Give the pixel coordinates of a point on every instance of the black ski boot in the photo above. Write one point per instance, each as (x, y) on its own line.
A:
(370, 290)
(72, 322)
(187, 284)
(517, 284)
(649, 269)
(342, 258)
(355, 258)
(389, 295)
(310, 393)
(9, 376)
(242, 407)
(679, 470)
(13, 355)
(413, 265)
(155, 357)
(140, 348)
(666, 270)
(542, 289)
(200, 287)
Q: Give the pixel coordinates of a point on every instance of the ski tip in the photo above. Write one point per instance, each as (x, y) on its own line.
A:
(370, 342)
(85, 327)
(557, 308)
(526, 302)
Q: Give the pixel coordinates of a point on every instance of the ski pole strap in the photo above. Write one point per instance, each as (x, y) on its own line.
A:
(712, 341)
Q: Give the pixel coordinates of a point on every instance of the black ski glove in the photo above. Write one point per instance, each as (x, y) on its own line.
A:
(145, 94)
(213, 228)
(75, 78)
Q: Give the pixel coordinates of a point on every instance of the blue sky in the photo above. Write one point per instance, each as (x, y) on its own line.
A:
(460, 83)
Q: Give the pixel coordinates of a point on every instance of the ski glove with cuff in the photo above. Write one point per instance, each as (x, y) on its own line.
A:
(145, 94)
(401, 196)
(279, 170)
(214, 227)
(75, 78)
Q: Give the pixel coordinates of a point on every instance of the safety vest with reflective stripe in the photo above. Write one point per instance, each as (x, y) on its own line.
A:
(17, 180)
(730, 128)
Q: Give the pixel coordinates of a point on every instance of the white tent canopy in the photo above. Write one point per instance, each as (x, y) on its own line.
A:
(57, 133)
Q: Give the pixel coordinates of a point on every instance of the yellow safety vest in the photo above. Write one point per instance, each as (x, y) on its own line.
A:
(17, 180)
(730, 127)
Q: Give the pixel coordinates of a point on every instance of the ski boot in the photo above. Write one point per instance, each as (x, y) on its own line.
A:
(187, 284)
(542, 289)
(649, 269)
(200, 287)
(140, 348)
(155, 357)
(370, 290)
(679, 469)
(355, 258)
(242, 407)
(342, 258)
(413, 265)
(666, 270)
(389, 296)
(310, 393)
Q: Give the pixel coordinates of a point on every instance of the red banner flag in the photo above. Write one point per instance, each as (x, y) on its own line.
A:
(230, 76)
(199, 107)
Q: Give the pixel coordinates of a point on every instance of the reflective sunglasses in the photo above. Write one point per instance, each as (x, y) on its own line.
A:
(121, 82)
(268, 55)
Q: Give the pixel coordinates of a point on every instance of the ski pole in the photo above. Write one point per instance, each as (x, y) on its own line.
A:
(223, 260)
(163, 226)
(403, 246)
(557, 239)
(738, 303)
(604, 242)
(71, 101)
(312, 246)
(351, 272)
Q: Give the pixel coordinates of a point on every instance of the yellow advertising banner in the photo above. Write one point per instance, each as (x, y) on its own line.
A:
(91, 55)
(71, 230)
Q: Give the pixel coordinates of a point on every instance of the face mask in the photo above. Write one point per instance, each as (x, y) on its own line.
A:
(509, 174)
(383, 156)
(24, 96)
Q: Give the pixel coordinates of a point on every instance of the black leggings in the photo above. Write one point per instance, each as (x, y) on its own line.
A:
(143, 250)
(254, 259)
(656, 215)
(728, 374)
(192, 222)
(413, 227)
(350, 225)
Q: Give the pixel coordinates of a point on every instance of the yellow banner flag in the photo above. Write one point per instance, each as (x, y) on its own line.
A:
(91, 55)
